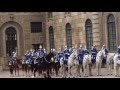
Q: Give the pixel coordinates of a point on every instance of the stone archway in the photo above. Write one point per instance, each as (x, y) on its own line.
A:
(19, 36)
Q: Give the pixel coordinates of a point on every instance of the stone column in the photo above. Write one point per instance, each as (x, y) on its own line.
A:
(96, 30)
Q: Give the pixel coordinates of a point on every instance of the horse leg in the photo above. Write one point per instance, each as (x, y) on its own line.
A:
(90, 69)
(84, 66)
(11, 71)
(108, 68)
(97, 66)
(15, 70)
(18, 71)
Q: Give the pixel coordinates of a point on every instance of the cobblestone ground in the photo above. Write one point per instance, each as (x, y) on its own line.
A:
(104, 72)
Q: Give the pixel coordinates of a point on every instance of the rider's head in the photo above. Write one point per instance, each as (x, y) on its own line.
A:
(40, 47)
(104, 46)
(13, 52)
(31, 50)
(26, 51)
(80, 46)
(65, 47)
(53, 49)
(44, 49)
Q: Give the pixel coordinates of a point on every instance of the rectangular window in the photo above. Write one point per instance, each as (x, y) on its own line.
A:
(36, 27)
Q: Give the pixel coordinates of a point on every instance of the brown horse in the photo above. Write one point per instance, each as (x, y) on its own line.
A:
(15, 66)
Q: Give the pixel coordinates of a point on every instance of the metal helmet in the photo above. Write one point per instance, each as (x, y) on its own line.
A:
(65, 46)
(40, 47)
(73, 47)
(31, 50)
(27, 51)
(103, 45)
(53, 49)
(80, 46)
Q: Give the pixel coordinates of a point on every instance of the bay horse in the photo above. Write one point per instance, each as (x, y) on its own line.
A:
(15, 66)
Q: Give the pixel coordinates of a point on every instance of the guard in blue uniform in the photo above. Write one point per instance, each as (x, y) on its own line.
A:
(94, 53)
(118, 52)
(12, 58)
(106, 52)
(41, 56)
(60, 55)
(27, 58)
(55, 56)
(45, 52)
(66, 55)
(80, 54)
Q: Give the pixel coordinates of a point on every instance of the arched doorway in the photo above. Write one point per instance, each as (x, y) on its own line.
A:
(89, 34)
(111, 33)
(11, 40)
(68, 35)
(51, 37)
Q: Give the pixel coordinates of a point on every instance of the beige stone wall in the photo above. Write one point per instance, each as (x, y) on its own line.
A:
(24, 19)
(77, 21)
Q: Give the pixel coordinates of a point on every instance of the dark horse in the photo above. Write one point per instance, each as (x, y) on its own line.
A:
(43, 66)
(51, 64)
(15, 66)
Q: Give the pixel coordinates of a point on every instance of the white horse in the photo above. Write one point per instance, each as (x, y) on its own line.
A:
(99, 58)
(86, 64)
(72, 60)
(109, 62)
(61, 66)
(116, 64)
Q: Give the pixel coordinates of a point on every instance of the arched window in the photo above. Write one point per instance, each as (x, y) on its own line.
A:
(51, 37)
(11, 40)
(111, 33)
(89, 35)
(68, 35)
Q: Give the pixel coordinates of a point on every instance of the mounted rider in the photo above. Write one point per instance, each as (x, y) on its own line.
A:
(60, 55)
(105, 50)
(66, 55)
(80, 54)
(55, 54)
(94, 53)
(40, 55)
(12, 58)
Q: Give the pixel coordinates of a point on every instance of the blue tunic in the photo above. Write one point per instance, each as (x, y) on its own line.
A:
(86, 52)
(60, 55)
(94, 53)
(66, 54)
(40, 53)
(80, 54)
